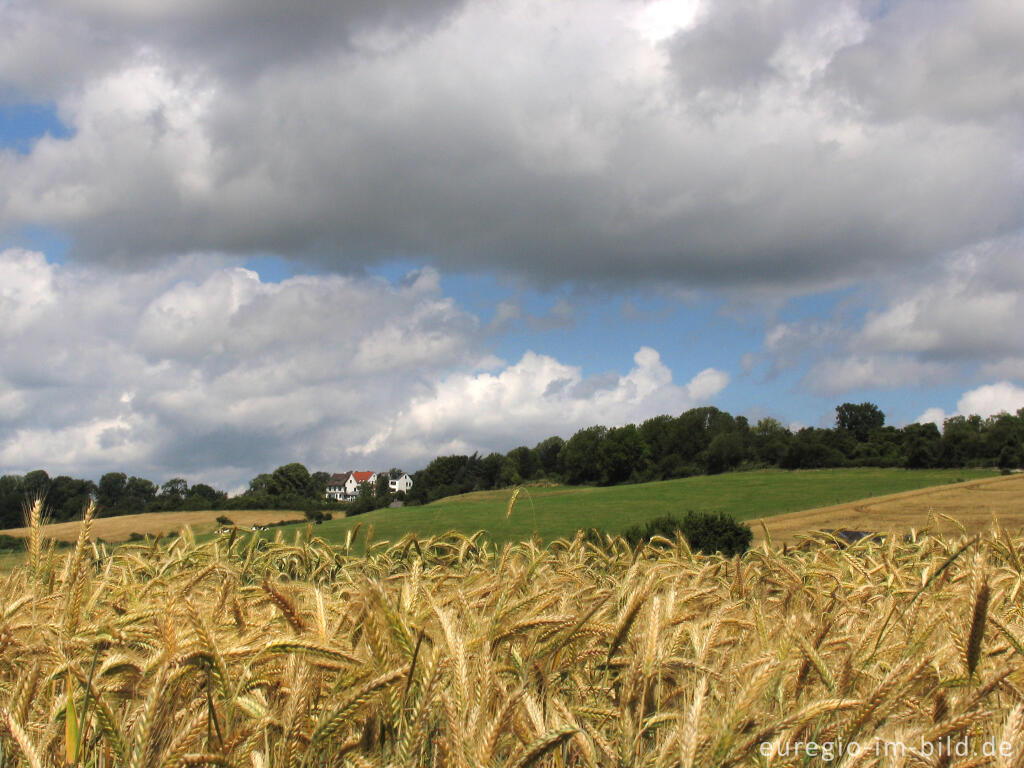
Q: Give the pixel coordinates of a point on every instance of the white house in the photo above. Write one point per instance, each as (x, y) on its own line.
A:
(335, 489)
(355, 479)
(402, 483)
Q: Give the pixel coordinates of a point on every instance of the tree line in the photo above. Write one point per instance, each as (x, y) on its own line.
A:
(698, 441)
(290, 486)
(708, 441)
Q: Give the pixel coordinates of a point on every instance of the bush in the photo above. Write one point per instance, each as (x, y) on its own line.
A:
(225, 520)
(707, 532)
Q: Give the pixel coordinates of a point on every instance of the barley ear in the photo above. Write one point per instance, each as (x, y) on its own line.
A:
(545, 744)
(512, 501)
(35, 534)
(18, 733)
(977, 629)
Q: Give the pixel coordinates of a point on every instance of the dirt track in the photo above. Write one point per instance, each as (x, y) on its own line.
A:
(120, 528)
(972, 503)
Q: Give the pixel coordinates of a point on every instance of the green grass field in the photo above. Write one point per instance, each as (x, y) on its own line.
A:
(559, 511)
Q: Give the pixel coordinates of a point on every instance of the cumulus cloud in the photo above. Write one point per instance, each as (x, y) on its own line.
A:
(986, 400)
(202, 369)
(538, 397)
(734, 144)
(959, 319)
(992, 398)
(971, 309)
(934, 416)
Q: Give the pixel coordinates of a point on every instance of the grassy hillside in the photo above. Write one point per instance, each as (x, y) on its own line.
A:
(559, 511)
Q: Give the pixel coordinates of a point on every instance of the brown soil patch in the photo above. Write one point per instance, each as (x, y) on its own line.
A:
(972, 503)
(120, 528)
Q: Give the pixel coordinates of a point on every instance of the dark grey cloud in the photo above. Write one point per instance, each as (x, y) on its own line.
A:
(950, 61)
(749, 150)
(733, 46)
(52, 46)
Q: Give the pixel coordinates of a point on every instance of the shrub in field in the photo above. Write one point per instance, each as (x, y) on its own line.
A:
(225, 520)
(707, 532)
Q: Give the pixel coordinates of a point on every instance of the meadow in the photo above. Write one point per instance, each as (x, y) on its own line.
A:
(558, 511)
(454, 652)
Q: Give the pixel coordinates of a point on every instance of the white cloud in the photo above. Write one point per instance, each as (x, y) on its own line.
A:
(972, 307)
(959, 319)
(986, 400)
(991, 399)
(538, 397)
(203, 370)
(934, 416)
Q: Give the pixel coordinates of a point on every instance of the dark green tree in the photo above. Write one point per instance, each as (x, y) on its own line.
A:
(35, 484)
(12, 501)
(525, 462)
(260, 485)
(205, 494)
(174, 491)
(725, 452)
(769, 440)
(547, 455)
(292, 480)
(382, 493)
(365, 501)
(859, 419)
(111, 492)
(581, 455)
(622, 455)
(320, 480)
(68, 497)
(922, 444)
(138, 494)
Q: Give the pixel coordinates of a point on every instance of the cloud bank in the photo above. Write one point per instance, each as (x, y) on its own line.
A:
(780, 144)
(202, 369)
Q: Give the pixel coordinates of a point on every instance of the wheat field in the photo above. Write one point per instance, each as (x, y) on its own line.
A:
(449, 652)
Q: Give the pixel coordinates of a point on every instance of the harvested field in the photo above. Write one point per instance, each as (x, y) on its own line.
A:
(972, 504)
(162, 523)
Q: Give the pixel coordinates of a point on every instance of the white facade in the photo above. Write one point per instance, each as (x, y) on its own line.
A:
(335, 489)
(357, 478)
(403, 483)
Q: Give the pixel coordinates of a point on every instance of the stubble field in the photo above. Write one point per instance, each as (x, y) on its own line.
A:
(119, 528)
(963, 507)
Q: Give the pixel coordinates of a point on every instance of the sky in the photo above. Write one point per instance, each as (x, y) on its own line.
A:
(240, 233)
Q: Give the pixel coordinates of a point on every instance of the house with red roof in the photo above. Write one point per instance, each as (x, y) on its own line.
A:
(355, 479)
(344, 486)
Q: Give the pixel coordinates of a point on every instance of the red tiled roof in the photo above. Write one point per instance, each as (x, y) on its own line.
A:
(362, 477)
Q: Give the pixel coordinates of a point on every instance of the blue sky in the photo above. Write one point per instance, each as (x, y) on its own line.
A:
(362, 238)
